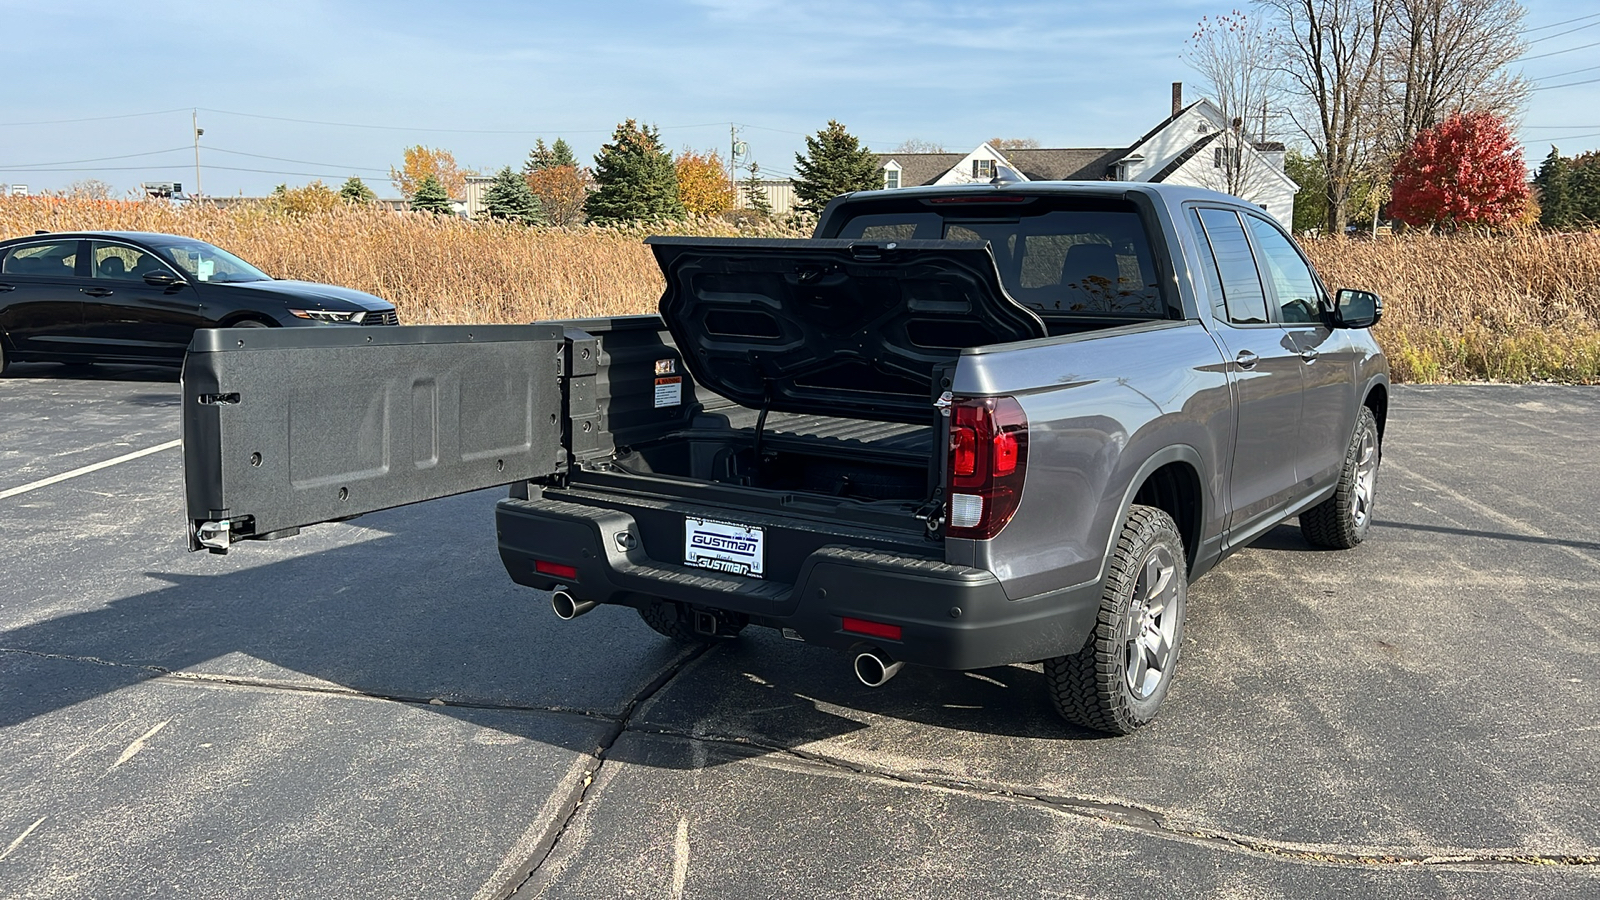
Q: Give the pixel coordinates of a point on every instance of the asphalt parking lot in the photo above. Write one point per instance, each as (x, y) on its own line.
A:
(372, 709)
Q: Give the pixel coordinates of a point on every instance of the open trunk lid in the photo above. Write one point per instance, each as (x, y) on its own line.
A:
(833, 327)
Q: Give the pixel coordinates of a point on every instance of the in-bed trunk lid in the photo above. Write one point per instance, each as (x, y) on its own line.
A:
(833, 327)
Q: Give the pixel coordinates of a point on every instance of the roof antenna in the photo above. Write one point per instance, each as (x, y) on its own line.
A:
(1004, 175)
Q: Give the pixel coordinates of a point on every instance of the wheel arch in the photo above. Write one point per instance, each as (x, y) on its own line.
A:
(1377, 400)
(232, 319)
(1170, 480)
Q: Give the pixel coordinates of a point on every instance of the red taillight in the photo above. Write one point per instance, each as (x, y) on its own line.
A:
(872, 629)
(988, 459)
(555, 570)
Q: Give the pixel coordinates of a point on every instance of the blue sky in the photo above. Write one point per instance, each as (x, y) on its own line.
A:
(452, 75)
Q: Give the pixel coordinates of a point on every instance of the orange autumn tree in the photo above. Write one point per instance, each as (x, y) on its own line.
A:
(561, 190)
(703, 185)
(419, 161)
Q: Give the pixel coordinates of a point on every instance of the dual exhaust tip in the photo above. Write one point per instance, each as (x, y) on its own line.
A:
(871, 667)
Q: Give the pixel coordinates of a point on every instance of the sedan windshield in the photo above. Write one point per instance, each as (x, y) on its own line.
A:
(203, 262)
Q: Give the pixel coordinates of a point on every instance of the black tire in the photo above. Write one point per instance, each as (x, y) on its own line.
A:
(1340, 522)
(249, 323)
(674, 620)
(1137, 636)
(4, 363)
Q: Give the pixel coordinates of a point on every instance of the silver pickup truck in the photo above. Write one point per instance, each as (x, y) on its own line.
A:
(960, 427)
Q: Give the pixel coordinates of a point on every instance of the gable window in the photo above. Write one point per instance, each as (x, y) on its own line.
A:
(983, 168)
(891, 179)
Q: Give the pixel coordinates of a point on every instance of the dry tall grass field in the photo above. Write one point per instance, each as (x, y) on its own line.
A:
(1516, 307)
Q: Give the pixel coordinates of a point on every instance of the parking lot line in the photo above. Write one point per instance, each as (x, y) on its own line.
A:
(57, 479)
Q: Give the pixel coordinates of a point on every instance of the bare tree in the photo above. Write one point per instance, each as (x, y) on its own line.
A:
(1004, 144)
(1448, 56)
(1233, 55)
(1329, 53)
(918, 145)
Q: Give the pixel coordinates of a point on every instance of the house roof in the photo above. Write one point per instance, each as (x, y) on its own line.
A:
(921, 168)
(1185, 156)
(1164, 123)
(1054, 164)
(1065, 163)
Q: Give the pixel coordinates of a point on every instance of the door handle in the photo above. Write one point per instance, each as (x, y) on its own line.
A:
(1246, 359)
(1309, 354)
(7, 287)
(97, 291)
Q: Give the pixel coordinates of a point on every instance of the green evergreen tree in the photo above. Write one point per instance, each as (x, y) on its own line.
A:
(1583, 189)
(509, 197)
(356, 193)
(431, 197)
(1555, 207)
(834, 163)
(543, 157)
(635, 178)
(561, 154)
(755, 194)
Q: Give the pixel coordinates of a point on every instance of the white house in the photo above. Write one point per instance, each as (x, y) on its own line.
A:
(1194, 146)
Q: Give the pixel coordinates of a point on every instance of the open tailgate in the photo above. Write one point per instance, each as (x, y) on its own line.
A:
(290, 427)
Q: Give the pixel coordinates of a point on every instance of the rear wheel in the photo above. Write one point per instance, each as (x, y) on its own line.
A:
(4, 363)
(1340, 522)
(692, 626)
(1117, 681)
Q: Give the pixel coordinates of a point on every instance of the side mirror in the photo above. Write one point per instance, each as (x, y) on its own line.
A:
(1356, 309)
(161, 279)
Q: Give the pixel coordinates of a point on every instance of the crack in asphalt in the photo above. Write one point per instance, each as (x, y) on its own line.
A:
(1144, 819)
(1129, 816)
(547, 846)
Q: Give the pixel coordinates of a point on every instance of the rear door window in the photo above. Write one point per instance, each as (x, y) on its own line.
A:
(1241, 283)
(44, 259)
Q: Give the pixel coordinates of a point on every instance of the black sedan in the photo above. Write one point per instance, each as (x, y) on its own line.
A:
(135, 297)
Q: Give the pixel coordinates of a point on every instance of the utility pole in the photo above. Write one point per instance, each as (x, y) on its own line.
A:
(194, 118)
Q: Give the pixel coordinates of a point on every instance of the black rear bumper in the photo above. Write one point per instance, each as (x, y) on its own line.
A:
(951, 617)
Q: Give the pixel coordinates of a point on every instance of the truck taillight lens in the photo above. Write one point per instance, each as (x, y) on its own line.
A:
(988, 459)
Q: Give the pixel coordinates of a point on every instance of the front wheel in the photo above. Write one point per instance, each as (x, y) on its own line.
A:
(1117, 681)
(1340, 522)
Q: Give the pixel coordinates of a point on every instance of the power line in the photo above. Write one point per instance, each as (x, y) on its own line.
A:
(302, 162)
(535, 131)
(92, 118)
(68, 162)
(1559, 52)
(1563, 33)
(1565, 74)
(1559, 24)
(1551, 87)
(1569, 137)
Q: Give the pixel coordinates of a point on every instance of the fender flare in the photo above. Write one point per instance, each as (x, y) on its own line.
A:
(1171, 453)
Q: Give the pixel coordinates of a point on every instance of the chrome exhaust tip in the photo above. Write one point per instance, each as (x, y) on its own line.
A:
(875, 669)
(568, 607)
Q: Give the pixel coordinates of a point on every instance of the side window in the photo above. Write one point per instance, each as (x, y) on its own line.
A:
(1298, 297)
(1208, 267)
(1241, 283)
(46, 259)
(120, 262)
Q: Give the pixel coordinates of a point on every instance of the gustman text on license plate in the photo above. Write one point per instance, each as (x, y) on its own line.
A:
(723, 547)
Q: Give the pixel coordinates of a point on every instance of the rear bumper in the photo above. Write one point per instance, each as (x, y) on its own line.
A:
(951, 617)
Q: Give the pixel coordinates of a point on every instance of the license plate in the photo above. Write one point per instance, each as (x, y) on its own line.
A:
(723, 547)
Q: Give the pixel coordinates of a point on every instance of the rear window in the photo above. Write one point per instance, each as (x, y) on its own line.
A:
(46, 259)
(1056, 261)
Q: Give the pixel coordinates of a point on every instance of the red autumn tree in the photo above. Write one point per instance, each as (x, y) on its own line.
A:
(1467, 170)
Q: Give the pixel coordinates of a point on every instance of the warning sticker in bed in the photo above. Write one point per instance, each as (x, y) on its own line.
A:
(669, 391)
